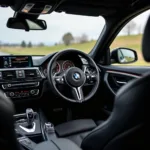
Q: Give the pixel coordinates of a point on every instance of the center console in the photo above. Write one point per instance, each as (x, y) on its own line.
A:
(19, 79)
(57, 144)
(32, 128)
(35, 133)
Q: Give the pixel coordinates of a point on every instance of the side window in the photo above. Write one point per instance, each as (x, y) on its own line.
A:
(130, 37)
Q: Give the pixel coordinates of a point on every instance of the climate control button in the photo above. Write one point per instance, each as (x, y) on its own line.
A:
(34, 92)
(22, 94)
(11, 94)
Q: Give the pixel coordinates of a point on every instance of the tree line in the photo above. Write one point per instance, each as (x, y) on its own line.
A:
(23, 44)
(128, 30)
(67, 40)
(68, 37)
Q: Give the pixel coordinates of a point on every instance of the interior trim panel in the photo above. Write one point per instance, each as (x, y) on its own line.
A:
(123, 73)
(114, 80)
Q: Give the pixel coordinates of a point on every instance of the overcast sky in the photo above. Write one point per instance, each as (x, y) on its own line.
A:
(58, 24)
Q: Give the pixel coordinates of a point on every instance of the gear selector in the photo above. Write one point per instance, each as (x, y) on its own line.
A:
(28, 123)
(30, 117)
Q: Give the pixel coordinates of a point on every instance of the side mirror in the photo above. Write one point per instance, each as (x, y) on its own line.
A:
(26, 24)
(123, 56)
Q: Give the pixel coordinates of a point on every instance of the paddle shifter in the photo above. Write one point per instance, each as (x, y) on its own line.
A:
(30, 117)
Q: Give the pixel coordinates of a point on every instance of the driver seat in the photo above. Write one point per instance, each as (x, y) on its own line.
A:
(128, 126)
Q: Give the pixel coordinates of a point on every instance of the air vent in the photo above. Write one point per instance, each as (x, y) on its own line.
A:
(31, 74)
(9, 75)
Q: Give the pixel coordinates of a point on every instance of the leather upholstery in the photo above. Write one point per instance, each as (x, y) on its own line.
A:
(75, 130)
(99, 122)
(57, 144)
(8, 138)
(74, 127)
(146, 42)
(128, 113)
(132, 139)
(78, 138)
(126, 127)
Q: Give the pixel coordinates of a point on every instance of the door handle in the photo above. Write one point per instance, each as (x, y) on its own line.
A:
(121, 82)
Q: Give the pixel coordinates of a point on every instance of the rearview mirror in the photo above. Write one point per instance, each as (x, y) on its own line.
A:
(123, 56)
(26, 24)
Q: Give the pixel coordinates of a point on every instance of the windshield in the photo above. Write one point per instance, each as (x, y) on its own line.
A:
(64, 31)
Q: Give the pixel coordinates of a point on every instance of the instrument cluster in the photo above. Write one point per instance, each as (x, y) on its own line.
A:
(60, 66)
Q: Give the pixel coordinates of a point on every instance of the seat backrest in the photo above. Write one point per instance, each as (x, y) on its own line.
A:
(132, 139)
(8, 140)
(128, 126)
(126, 121)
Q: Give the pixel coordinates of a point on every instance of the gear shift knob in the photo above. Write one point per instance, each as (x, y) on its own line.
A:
(30, 116)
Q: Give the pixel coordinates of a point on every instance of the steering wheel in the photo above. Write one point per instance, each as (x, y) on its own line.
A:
(74, 77)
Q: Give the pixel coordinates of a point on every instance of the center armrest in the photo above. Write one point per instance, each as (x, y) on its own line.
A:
(57, 144)
(74, 127)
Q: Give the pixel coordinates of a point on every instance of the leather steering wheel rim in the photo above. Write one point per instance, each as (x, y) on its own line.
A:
(52, 80)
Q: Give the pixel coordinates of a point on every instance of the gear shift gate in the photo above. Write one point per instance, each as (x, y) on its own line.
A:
(29, 123)
(29, 126)
(29, 130)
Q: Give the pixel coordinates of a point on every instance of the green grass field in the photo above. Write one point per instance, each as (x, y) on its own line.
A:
(86, 47)
(133, 42)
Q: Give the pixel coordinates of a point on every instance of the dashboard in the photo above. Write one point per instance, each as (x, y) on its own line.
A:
(22, 77)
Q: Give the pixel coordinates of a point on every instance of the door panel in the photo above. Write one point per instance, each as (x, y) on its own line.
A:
(114, 77)
(133, 70)
(117, 76)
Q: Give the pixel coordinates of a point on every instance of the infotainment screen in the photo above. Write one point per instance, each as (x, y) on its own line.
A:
(15, 61)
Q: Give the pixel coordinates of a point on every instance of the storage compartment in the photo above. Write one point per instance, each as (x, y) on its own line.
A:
(74, 127)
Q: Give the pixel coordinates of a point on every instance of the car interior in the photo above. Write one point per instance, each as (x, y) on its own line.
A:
(70, 100)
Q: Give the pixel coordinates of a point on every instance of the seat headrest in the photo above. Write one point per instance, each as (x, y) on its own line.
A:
(146, 42)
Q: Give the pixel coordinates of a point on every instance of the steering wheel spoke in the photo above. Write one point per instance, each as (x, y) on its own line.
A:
(84, 69)
(90, 76)
(78, 94)
(59, 79)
